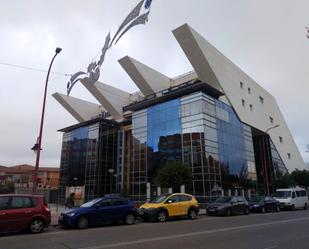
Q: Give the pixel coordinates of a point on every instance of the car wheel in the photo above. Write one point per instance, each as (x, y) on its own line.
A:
(129, 219)
(82, 222)
(192, 214)
(228, 212)
(306, 206)
(278, 209)
(247, 211)
(162, 216)
(36, 226)
(293, 207)
(262, 210)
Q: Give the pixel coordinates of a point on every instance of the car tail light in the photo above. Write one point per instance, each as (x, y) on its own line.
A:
(46, 208)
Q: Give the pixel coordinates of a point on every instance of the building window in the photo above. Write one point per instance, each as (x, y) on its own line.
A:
(249, 90)
(289, 155)
(241, 85)
(261, 99)
(243, 102)
(271, 119)
(281, 139)
(251, 107)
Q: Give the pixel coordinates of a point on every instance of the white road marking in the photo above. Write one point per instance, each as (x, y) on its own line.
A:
(178, 236)
(271, 247)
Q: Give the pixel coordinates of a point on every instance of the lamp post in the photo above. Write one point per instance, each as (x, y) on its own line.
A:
(264, 158)
(37, 146)
(111, 171)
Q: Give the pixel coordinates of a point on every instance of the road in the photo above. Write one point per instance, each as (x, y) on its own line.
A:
(284, 230)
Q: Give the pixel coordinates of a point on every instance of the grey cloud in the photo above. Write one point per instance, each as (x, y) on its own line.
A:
(264, 38)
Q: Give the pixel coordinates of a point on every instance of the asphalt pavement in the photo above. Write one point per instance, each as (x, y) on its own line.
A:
(284, 230)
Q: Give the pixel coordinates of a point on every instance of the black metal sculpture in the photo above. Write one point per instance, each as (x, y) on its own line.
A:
(139, 15)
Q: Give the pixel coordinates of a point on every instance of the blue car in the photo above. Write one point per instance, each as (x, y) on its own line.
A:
(100, 211)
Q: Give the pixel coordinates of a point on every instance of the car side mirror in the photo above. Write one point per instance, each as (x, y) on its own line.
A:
(169, 202)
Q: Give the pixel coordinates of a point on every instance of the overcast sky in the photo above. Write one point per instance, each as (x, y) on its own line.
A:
(265, 38)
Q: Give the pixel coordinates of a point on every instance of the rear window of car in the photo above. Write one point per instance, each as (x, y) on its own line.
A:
(240, 199)
(303, 193)
(22, 202)
(184, 198)
(4, 202)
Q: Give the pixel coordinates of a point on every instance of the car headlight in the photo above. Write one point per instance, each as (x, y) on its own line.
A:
(71, 214)
(256, 205)
(221, 207)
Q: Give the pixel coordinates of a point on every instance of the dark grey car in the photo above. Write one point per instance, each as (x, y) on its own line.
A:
(229, 205)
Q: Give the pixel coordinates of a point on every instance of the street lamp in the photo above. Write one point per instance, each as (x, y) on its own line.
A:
(264, 159)
(37, 146)
(111, 171)
(273, 127)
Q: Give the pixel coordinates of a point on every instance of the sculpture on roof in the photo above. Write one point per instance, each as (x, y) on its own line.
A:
(139, 15)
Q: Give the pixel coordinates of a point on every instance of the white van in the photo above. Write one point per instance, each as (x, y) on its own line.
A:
(292, 198)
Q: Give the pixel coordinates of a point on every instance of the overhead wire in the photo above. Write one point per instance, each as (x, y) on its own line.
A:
(33, 69)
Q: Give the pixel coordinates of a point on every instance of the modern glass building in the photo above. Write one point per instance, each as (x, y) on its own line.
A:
(216, 120)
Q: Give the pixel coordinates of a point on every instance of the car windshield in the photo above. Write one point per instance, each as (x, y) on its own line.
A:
(256, 199)
(283, 194)
(159, 199)
(90, 203)
(223, 199)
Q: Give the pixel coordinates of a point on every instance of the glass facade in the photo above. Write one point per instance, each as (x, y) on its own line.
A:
(88, 154)
(200, 131)
(269, 164)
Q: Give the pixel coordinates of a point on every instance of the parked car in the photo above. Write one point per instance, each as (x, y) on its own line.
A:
(170, 205)
(263, 204)
(292, 198)
(21, 212)
(98, 212)
(228, 205)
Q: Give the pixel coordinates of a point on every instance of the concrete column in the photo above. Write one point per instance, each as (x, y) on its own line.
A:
(249, 193)
(243, 193)
(236, 192)
(229, 192)
(158, 191)
(222, 192)
(170, 190)
(182, 189)
(148, 197)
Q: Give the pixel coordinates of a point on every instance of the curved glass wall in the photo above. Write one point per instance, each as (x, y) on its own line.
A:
(203, 133)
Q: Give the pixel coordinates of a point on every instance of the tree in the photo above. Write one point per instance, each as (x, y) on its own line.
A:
(300, 177)
(173, 175)
(283, 181)
(7, 188)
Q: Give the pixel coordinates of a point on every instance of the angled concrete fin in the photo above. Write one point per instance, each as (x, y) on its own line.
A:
(241, 91)
(192, 44)
(111, 98)
(147, 79)
(80, 109)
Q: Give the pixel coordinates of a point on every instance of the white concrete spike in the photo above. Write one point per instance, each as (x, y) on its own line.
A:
(146, 79)
(80, 109)
(111, 98)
